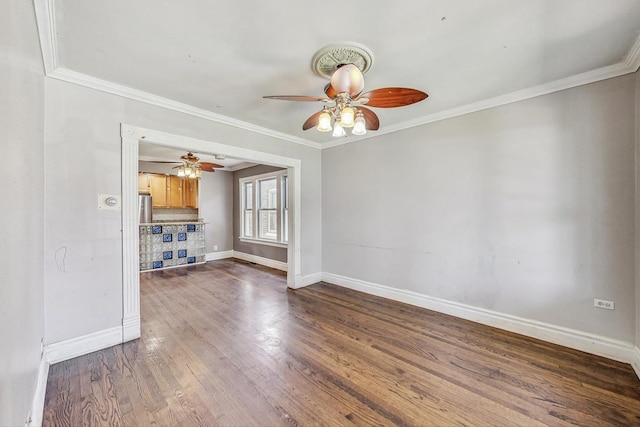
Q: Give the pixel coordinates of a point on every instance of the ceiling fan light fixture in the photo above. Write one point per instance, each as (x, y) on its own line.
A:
(348, 79)
(338, 130)
(346, 117)
(360, 125)
(181, 171)
(324, 121)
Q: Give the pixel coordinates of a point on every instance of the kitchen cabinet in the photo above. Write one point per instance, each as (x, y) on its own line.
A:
(191, 193)
(144, 183)
(175, 195)
(169, 191)
(158, 190)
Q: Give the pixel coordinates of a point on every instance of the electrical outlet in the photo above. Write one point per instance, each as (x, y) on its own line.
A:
(600, 303)
(215, 247)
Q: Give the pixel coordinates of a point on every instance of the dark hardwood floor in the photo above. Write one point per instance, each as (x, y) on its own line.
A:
(226, 343)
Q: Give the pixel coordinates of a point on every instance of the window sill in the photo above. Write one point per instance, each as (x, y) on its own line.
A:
(263, 242)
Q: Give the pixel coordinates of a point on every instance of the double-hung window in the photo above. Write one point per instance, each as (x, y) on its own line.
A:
(264, 208)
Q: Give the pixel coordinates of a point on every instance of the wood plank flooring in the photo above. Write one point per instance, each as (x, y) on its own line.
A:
(226, 343)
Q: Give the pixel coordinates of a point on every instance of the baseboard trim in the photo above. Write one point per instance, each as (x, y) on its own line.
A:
(590, 343)
(635, 364)
(37, 408)
(213, 256)
(310, 279)
(278, 265)
(131, 328)
(74, 347)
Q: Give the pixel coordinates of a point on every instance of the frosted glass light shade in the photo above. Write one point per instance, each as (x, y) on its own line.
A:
(346, 117)
(338, 130)
(360, 126)
(349, 79)
(324, 122)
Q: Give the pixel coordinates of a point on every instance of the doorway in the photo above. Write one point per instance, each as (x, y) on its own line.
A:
(131, 138)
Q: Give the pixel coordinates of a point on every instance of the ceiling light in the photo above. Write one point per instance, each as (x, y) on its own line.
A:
(324, 121)
(359, 126)
(338, 130)
(346, 117)
(342, 116)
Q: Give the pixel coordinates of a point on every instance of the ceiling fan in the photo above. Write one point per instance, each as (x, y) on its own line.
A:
(344, 98)
(192, 167)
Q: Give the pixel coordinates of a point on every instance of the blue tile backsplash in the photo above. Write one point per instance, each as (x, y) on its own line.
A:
(171, 245)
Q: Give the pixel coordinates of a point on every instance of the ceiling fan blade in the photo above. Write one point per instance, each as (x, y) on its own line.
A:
(390, 97)
(296, 98)
(158, 161)
(312, 121)
(209, 167)
(371, 119)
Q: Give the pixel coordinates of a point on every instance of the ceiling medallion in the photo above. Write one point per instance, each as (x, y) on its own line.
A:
(330, 58)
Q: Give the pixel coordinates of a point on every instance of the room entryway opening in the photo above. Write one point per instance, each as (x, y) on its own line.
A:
(132, 137)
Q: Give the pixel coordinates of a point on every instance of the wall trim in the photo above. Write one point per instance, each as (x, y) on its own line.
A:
(578, 340)
(278, 265)
(310, 279)
(79, 346)
(37, 409)
(213, 256)
(635, 364)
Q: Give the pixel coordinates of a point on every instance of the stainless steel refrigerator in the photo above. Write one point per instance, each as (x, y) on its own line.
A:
(145, 207)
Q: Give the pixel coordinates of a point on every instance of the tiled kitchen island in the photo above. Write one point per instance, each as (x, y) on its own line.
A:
(171, 244)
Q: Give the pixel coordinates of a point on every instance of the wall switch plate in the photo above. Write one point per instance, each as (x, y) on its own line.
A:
(109, 201)
(600, 303)
(215, 247)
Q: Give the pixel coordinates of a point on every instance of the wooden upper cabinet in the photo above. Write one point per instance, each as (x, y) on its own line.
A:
(191, 193)
(175, 192)
(144, 183)
(158, 187)
(169, 191)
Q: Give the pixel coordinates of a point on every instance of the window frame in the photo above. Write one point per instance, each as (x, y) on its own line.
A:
(281, 178)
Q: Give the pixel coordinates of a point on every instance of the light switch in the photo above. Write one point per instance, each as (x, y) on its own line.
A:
(109, 201)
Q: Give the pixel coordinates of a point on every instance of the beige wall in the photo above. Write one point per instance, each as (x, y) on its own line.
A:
(525, 209)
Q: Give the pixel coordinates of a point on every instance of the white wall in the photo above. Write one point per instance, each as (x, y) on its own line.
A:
(525, 209)
(83, 254)
(22, 210)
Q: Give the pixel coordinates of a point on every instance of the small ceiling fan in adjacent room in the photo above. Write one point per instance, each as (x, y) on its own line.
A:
(345, 66)
(192, 167)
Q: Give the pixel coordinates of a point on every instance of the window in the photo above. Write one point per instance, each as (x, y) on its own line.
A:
(264, 208)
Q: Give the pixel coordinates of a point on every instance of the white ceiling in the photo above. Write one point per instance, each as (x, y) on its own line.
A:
(154, 152)
(218, 58)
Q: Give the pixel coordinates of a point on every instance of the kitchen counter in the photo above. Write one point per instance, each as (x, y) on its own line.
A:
(171, 244)
(173, 222)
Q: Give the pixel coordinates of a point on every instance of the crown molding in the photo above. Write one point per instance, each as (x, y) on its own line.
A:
(45, 17)
(126, 92)
(633, 56)
(45, 21)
